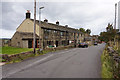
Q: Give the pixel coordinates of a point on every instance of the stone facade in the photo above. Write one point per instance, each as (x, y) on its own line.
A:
(95, 38)
(51, 35)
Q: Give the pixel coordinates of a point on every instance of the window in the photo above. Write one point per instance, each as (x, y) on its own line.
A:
(61, 34)
(49, 42)
(78, 35)
(81, 35)
(18, 44)
(71, 34)
(67, 34)
(47, 31)
(55, 32)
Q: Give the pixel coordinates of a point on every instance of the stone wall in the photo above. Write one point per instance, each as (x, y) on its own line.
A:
(16, 40)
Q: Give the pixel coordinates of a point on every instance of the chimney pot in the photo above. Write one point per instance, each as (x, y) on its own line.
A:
(46, 20)
(66, 25)
(57, 23)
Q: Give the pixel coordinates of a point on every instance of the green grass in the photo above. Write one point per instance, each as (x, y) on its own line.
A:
(106, 65)
(12, 50)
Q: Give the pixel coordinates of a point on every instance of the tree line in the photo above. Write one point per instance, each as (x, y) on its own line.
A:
(110, 34)
(88, 31)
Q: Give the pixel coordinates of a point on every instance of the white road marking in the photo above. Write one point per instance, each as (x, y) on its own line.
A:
(66, 51)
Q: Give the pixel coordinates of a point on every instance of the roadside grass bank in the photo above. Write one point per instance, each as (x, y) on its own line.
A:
(13, 55)
(23, 56)
(110, 63)
(106, 69)
(12, 50)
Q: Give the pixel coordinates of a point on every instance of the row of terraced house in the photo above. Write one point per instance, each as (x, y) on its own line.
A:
(51, 35)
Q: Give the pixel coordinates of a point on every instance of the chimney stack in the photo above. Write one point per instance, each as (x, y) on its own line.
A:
(57, 23)
(46, 20)
(28, 14)
(66, 25)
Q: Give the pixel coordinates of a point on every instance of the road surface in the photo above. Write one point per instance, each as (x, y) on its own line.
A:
(71, 63)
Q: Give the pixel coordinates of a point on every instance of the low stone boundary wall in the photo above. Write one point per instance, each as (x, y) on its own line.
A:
(24, 55)
(114, 58)
(16, 57)
(59, 48)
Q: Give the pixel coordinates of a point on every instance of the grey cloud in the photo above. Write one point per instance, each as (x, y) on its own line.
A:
(92, 15)
(13, 14)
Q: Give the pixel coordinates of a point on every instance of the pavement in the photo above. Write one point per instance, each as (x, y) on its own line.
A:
(1, 63)
(71, 63)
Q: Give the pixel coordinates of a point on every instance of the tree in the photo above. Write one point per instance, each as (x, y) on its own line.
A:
(103, 37)
(109, 27)
(82, 30)
(109, 35)
(88, 31)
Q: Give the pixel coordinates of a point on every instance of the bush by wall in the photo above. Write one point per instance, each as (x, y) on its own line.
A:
(110, 63)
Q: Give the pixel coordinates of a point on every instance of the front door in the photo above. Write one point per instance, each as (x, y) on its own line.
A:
(56, 43)
(29, 43)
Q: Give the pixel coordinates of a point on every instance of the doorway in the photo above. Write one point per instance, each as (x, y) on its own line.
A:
(29, 43)
(56, 43)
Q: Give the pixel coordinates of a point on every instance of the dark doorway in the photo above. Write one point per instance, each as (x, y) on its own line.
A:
(56, 43)
(68, 42)
(29, 43)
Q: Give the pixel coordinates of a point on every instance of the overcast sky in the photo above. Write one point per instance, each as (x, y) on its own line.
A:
(88, 14)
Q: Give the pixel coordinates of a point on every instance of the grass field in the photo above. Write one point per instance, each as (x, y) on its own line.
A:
(12, 50)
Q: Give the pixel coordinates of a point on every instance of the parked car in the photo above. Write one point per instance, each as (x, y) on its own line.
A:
(95, 43)
(83, 45)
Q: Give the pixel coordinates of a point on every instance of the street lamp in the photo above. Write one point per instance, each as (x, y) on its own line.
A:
(40, 26)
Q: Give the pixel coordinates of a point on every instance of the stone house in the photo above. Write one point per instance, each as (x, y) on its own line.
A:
(51, 35)
(4, 42)
(95, 38)
(88, 39)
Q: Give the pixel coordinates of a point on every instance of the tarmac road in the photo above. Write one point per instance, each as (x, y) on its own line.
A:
(72, 63)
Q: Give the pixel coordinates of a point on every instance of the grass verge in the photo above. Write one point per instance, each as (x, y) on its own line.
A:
(24, 57)
(20, 54)
(12, 50)
(107, 71)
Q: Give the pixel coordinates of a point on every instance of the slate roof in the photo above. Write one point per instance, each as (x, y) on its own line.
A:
(27, 35)
(57, 27)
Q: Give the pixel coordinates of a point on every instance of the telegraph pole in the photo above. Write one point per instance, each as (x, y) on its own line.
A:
(34, 34)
